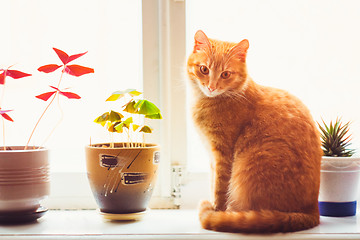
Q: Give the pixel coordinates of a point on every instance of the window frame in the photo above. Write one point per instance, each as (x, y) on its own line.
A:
(163, 30)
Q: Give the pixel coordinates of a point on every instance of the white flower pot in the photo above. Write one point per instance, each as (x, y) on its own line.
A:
(339, 186)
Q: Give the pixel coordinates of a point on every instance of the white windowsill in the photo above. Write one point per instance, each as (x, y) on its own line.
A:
(157, 224)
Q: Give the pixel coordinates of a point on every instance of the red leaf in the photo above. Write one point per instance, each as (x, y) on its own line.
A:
(16, 74)
(62, 55)
(45, 96)
(4, 111)
(70, 95)
(49, 68)
(75, 56)
(77, 70)
(7, 117)
(55, 88)
(2, 78)
(4, 115)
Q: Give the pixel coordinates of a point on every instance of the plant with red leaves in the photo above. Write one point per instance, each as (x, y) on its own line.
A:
(73, 69)
(15, 74)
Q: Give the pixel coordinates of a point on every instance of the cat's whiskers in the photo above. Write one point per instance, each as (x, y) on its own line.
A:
(237, 95)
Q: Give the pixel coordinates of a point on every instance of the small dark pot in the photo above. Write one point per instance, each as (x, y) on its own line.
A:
(122, 179)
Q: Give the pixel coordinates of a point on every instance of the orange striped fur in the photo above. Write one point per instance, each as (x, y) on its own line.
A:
(265, 146)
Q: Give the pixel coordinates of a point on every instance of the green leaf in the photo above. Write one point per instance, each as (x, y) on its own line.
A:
(102, 119)
(133, 92)
(119, 127)
(146, 129)
(115, 116)
(130, 107)
(111, 128)
(119, 94)
(114, 97)
(154, 116)
(127, 122)
(135, 127)
(146, 107)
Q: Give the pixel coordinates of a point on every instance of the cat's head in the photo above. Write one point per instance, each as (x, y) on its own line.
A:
(217, 67)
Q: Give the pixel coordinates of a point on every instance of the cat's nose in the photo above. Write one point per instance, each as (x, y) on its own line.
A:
(211, 89)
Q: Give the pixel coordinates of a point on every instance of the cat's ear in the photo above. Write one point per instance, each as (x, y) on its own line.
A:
(240, 49)
(201, 41)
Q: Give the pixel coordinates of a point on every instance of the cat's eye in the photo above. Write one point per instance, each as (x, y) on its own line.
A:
(204, 70)
(225, 75)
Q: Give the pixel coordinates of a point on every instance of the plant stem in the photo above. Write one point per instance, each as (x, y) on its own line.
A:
(128, 103)
(37, 123)
(3, 121)
(143, 139)
(129, 139)
(57, 124)
(47, 107)
(62, 73)
(3, 126)
(112, 143)
(2, 95)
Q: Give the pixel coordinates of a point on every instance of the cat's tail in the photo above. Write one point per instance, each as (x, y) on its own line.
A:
(264, 221)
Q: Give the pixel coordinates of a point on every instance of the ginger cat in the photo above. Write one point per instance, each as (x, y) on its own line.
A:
(265, 144)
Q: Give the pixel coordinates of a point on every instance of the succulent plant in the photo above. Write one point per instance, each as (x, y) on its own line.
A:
(336, 139)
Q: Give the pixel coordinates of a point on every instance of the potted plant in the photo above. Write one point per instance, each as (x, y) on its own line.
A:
(122, 174)
(24, 169)
(339, 182)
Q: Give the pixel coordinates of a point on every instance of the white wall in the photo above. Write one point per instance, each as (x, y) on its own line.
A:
(110, 30)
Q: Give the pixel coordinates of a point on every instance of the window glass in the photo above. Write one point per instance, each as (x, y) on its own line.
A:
(309, 48)
(111, 32)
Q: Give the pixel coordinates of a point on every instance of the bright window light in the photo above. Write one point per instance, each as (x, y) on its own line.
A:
(111, 32)
(309, 48)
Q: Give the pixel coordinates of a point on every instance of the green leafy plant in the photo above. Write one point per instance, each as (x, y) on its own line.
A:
(336, 139)
(128, 121)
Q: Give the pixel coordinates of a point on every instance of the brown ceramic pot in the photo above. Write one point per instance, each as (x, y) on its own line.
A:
(24, 178)
(122, 179)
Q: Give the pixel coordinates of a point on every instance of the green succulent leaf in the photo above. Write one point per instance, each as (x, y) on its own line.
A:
(336, 139)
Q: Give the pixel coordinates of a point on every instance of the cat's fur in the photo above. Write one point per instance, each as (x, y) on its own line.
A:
(265, 144)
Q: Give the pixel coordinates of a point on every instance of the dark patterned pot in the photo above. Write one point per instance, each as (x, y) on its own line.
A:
(122, 179)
